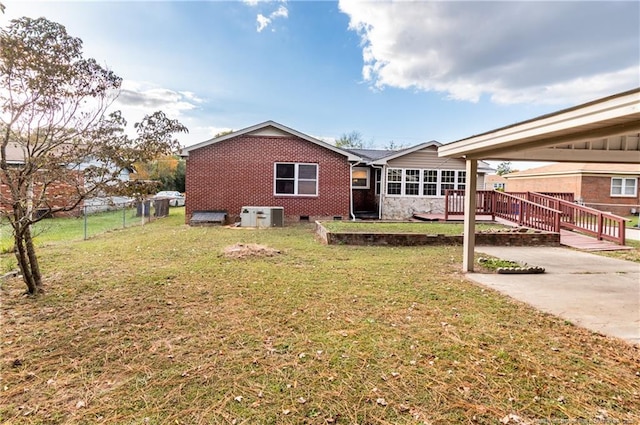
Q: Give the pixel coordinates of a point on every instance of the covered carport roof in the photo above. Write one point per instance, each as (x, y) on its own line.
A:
(604, 131)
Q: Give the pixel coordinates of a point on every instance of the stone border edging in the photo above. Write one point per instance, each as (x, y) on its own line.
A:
(418, 239)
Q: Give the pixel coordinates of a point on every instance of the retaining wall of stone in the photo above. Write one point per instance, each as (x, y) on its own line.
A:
(416, 239)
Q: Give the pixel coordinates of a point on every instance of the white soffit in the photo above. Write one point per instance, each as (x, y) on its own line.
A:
(603, 131)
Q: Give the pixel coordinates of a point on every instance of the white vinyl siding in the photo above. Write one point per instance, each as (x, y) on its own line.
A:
(421, 182)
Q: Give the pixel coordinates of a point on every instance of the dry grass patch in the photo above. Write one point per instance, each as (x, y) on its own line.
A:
(153, 325)
(240, 250)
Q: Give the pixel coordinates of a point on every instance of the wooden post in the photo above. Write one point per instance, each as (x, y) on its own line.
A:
(446, 205)
(470, 215)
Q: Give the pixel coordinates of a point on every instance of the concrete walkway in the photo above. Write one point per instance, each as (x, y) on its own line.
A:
(632, 233)
(598, 293)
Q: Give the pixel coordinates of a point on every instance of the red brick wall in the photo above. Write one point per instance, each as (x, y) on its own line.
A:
(59, 195)
(596, 193)
(239, 172)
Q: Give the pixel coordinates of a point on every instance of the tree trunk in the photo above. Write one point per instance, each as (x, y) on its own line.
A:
(27, 260)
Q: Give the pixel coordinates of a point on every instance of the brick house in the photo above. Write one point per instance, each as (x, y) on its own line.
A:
(59, 194)
(494, 182)
(271, 165)
(268, 164)
(607, 187)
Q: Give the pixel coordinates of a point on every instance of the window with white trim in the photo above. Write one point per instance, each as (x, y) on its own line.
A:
(360, 177)
(430, 182)
(621, 186)
(295, 179)
(462, 180)
(394, 181)
(412, 182)
(423, 182)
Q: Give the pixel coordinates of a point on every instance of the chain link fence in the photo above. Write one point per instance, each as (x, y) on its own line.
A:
(98, 215)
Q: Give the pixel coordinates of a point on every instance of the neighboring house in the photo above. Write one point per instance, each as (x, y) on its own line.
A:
(607, 187)
(271, 165)
(494, 182)
(58, 194)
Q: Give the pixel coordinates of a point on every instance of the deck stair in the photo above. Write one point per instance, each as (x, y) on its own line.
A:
(543, 211)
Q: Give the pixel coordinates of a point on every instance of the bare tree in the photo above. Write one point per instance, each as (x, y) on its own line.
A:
(350, 140)
(54, 132)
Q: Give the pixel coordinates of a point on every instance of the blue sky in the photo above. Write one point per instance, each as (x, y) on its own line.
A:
(405, 71)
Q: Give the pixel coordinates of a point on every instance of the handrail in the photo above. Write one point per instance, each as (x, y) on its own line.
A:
(526, 213)
(594, 222)
(513, 207)
(454, 202)
(544, 211)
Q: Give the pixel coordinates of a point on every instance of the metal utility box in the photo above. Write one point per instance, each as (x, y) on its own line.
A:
(262, 217)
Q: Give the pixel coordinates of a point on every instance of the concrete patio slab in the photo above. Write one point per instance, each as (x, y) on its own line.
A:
(598, 293)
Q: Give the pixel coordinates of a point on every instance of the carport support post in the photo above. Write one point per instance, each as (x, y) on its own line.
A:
(470, 215)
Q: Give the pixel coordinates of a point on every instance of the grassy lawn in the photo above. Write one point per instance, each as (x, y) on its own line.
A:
(634, 221)
(153, 324)
(430, 228)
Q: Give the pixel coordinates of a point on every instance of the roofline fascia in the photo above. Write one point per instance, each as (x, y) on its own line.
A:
(595, 173)
(351, 157)
(397, 154)
(615, 106)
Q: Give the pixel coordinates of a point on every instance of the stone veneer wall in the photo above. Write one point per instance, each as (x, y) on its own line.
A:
(403, 207)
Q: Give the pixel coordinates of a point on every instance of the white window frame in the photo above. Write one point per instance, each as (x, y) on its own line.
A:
(457, 182)
(625, 182)
(296, 179)
(388, 181)
(368, 178)
(498, 186)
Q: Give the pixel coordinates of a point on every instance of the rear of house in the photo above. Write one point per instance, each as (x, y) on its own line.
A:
(268, 165)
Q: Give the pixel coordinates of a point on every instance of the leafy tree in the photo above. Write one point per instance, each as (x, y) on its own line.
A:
(223, 133)
(168, 170)
(53, 105)
(504, 168)
(350, 140)
(179, 178)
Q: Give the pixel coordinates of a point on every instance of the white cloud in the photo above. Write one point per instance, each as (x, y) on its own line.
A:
(513, 52)
(148, 98)
(138, 99)
(264, 21)
(282, 12)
